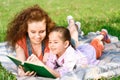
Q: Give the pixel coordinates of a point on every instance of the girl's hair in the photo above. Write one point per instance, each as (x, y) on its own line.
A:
(65, 34)
(17, 28)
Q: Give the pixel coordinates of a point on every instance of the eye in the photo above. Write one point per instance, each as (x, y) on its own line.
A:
(42, 31)
(32, 31)
(56, 42)
(50, 42)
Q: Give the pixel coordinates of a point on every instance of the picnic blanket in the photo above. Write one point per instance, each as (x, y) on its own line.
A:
(109, 65)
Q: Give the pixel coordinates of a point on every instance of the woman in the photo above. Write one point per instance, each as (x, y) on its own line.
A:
(26, 33)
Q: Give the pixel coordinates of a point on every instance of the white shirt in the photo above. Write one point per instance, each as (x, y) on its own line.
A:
(67, 61)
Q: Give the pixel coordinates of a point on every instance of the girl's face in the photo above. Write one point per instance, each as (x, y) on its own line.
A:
(37, 31)
(56, 44)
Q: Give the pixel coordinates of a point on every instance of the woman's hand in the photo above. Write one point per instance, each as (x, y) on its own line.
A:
(21, 72)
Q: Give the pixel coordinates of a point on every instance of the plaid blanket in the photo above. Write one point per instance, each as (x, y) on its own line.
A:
(109, 65)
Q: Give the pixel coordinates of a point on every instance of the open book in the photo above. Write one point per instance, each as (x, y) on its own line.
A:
(40, 70)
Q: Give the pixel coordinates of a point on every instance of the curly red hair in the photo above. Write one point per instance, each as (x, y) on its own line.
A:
(17, 28)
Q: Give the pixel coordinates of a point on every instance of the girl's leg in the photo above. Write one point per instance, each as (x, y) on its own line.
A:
(98, 45)
(106, 38)
(98, 41)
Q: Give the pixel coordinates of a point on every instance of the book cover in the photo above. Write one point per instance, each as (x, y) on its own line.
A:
(18, 62)
(15, 60)
(40, 70)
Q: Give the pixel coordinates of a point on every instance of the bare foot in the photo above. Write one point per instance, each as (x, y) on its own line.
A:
(73, 31)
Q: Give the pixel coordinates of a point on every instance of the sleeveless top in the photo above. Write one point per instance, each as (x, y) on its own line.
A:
(25, 44)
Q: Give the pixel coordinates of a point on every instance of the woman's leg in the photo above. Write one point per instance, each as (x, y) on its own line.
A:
(73, 30)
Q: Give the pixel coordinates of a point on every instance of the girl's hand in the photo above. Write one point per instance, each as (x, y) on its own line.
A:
(34, 59)
(45, 57)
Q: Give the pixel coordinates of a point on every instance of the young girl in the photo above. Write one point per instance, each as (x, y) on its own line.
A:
(62, 57)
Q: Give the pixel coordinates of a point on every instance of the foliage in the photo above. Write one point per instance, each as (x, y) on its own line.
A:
(5, 75)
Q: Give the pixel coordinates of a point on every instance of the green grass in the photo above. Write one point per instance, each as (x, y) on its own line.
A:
(93, 14)
(5, 75)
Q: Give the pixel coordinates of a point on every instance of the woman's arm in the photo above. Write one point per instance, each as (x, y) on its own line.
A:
(21, 56)
(20, 53)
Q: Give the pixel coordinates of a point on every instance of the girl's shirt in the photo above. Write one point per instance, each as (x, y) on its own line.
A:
(67, 62)
(23, 44)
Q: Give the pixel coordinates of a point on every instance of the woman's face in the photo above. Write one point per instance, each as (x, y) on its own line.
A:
(37, 31)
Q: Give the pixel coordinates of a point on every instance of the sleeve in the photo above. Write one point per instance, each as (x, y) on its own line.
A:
(51, 61)
(68, 64)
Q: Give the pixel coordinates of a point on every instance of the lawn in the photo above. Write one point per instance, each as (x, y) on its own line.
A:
(5, 75)
(93, 14)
